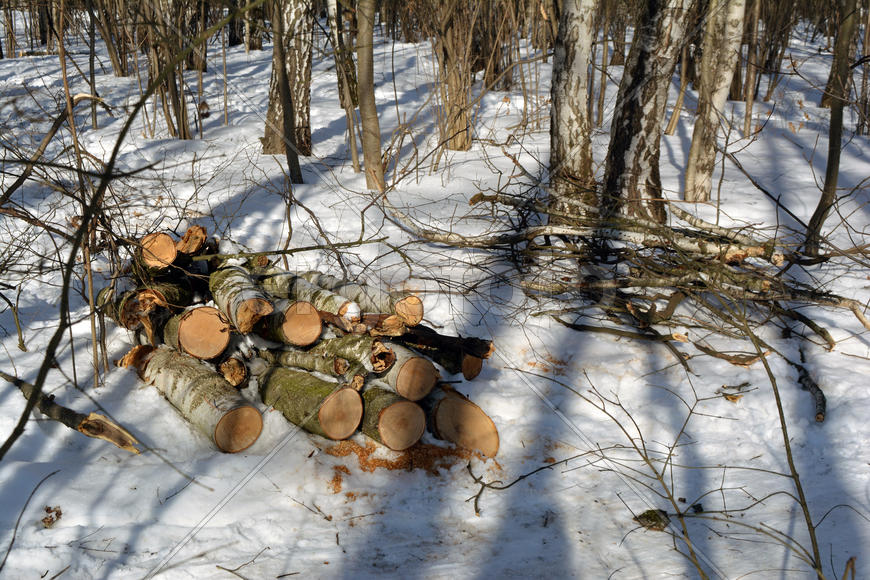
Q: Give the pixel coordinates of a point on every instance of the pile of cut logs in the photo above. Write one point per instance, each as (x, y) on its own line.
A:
(333, 356)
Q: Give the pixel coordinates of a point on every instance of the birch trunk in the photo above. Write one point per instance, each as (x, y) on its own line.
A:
(283, 284)
(632, 183)
(721, 48)
(368, 352)
(318, 406)
(571, 176)
(202, 396)
(236, 295)
(392, 420)
(309, 361)
(405, 305)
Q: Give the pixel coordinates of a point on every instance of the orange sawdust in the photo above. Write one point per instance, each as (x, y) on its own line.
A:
(337, 478)
(431, 458)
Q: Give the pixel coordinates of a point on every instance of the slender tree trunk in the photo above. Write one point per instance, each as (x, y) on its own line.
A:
(571, 177)
(751, 67)
(722, 40)
(839, 94)
(632, 184)
(371, 131)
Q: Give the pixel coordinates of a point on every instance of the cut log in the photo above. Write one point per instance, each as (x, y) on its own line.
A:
(412, 376)
(392, 420)
(132, 309)
(454, 361)
(363, 350)
(318, 406)
(423, 336)
(454, 418)
(234, 370)
(194, 240)
(406, 305)
(238, 297)
(288, 285)
(201, 332)
(381, 325)
(156, 251)
(202, 396)
(309, 361)
(297, 323)
(169, 294)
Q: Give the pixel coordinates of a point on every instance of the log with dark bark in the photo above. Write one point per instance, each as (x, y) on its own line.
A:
(427, 337)
(239, 298)
(321, 407)
(202, 396)
(93, 425)
(201, 332)
(411, 376)
(454, 418)
(405, 305)
(309, 361)
(366, 351)
(392, 420)
(293, 322)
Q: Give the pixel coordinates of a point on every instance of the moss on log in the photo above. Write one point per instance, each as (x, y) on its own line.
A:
(318, 406)
(239, 298)
(392, 420)
(288, 285)
(309, 361)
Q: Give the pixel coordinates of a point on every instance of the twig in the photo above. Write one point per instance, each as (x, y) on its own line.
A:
(288, 251)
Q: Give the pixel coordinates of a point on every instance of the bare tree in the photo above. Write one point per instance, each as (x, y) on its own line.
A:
(632, 183)
(297, 17)
(722, 40)
(371, 130)
(571, 175)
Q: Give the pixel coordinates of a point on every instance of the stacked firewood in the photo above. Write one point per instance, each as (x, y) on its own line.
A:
(333, 356)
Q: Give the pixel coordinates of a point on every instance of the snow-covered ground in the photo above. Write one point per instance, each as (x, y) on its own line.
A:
(294, 504)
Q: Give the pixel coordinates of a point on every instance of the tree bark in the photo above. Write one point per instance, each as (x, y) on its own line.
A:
(371, 131)
(370, 299)
(632, 183)
(318, 406)
(363, 350)
(723, 38)
(391, 420)
(307, 360)
(282, 284)
(571, 174)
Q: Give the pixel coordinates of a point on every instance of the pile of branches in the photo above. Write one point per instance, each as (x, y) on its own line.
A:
(332, 355)
(640, 279)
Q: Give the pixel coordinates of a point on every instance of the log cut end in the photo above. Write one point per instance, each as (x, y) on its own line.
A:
(410, 309)
(416, 378)
(341, 413)
(302, 324)
(382, 357)
(158, 250)
(471, 366)
(203, 332)
(137, 358)
(401, 425)
(238, 429)
(458, 420)
(251, 311)
(234, 371)
(193, 241)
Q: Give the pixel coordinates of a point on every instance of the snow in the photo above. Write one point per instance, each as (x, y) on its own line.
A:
(579, 402)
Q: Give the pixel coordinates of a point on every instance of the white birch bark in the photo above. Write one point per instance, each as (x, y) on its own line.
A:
(723, 37)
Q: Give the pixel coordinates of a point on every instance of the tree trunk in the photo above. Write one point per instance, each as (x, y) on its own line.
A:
(722, 40)
(297, 24)
(346, 75)
(318, 406)
(202, 396)
(751, 67)
(840, 77)
(371, 131)
(411, 376)
(632, 184)
(201, 332)
(307, 360)
(571, 177)
(236, 295)
(391, 420)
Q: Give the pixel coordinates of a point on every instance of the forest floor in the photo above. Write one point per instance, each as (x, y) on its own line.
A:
(297, 504)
